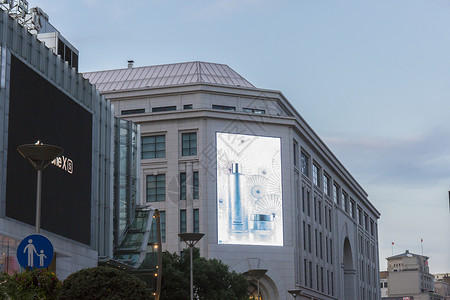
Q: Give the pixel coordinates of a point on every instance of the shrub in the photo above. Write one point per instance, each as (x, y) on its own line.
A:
(30, 284)
(103, 283)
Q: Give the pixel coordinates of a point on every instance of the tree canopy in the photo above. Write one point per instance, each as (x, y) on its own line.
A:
(212, 279)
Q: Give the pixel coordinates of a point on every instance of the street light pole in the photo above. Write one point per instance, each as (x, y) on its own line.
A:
(191, 239)
(40, 156)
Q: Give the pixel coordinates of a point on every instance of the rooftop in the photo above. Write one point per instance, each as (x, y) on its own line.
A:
(166, 75)
(407, 254)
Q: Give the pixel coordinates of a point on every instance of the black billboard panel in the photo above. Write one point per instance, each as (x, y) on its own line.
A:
(40, 111)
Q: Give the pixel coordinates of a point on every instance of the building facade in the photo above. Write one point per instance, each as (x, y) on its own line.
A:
(43, 97)
(239, 163)
(408, 275)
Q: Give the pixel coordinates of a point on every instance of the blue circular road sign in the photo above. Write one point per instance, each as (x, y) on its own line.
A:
(35, 251)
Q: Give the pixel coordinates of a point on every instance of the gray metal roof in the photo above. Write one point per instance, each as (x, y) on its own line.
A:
(166, 75)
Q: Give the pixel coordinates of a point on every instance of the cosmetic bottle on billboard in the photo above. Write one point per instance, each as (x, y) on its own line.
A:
(238, 219)
(262, 227)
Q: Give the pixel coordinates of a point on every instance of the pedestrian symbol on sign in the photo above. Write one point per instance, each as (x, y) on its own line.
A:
(35, 251)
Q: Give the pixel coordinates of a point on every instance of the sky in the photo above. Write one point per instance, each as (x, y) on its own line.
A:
(372, 78)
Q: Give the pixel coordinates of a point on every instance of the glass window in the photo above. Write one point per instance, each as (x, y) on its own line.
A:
(304, 164)
(132, 111)
(352, 209)
(156, 188)
(196, 220)
(187, 106)
(326, 185)
(196, 186)
(295, 154)
(254, 111)
(335, 194)
(182, 221)
(316, 179)
(189, 144)
(224, 107)
(359, 215)
(153, 146)
(344, 202)
(164, 108)
(182, 186)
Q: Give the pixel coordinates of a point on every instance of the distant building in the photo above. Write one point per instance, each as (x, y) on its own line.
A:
(408, 277)
(384, 283)
(442, 285)
(239, 163)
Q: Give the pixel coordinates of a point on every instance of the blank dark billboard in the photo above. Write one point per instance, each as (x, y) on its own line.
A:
(40, 111)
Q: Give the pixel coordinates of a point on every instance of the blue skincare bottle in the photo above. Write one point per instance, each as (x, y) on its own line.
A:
(238, 219)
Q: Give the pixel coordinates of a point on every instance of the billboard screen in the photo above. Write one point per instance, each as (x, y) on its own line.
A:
(40, 111)
(249, 196)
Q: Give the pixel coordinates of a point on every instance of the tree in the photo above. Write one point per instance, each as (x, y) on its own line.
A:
(103, 283)
(212, 279)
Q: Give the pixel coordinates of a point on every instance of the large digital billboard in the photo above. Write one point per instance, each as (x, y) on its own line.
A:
(38, 110)
(249, 196)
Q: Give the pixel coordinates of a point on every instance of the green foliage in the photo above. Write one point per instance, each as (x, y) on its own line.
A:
(30, 284)
(212, 278)
(103, 283)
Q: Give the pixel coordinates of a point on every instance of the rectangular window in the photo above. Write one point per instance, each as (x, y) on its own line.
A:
(335, 194)
(195, 191)
(196, 220)
(329, 220)
(321, 245)
(326, 218)
(132, 111)
(156, 188)
(359, 215)
(295, 154)
(316, 178)
(317, 278)
(326, 185)
(328, 281)
(326, 249)
(316, 240)
(320, 212)
(305, 271)
(331, 251)
(315, 209)
(254, 111)
(187, 106)
(352, 209)
(183, 186)
(182, 221)
(332, 284)
(308, 203)
(304, 161)
(153, 146)
(304, 235)
(321, 279)
(344, 202)
(224, 107)
(303, 199)
(189, 144)
(310, 275)
(366, 222)
(309, 238)
(164, 108)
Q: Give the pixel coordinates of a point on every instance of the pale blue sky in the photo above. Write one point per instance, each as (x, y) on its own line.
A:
(371, 77)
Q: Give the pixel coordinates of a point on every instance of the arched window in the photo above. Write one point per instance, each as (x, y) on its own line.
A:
(252, 292)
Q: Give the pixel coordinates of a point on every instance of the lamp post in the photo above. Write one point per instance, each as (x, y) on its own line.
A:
(295, 292)
(256, 273)
(191, 239)
(40, 156)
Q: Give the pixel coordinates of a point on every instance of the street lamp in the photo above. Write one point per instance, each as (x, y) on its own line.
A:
(256, 273)
(40, 156)
(191, 239)
(295, 292)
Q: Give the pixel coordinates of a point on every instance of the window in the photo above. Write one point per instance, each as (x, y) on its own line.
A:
(164, 108)
(326, 185)
(153, 234)
(132, 111)
(321, 245)
(156, 188)
(320, 212)
(316, 179)
(352, 209)
(295, 154)
(335, 194)
(304, 164)
(187, 106)
(254, 111)
(310, 275)
(372, 228)
(344, 200)
(189, 144)
(305, 271)
(153, 146)
(366, 222)
(195, 191)
(196, 220)
(308, 203)
(224, 107)
(303, 199)
(304, 235)
(359, 215)
(316, 239)
(182, 221)
(309, 238)
(182, 186)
